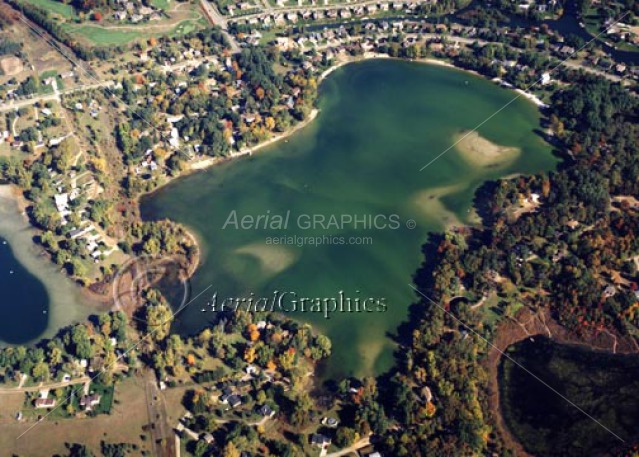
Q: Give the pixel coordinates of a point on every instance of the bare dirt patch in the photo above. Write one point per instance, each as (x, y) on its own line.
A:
(11, 66)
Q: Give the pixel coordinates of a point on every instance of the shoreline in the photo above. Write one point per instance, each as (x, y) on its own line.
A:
(207, 163)
(67, 301)
(13, 193)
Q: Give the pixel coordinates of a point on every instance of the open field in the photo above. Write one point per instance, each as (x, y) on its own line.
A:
(9, 406)
(182, 18)
(103, 36)
(124, 425)
(40, 56)
(54, 6)
(162, 4)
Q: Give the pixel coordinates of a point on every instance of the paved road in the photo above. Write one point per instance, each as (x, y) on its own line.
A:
(215, 18)
(13, 104)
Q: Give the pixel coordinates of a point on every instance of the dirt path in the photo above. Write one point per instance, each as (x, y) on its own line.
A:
(56, 385)
(353, 448)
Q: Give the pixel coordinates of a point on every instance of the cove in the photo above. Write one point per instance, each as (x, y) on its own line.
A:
(25, 302)
(380, 122)
(36, 299)
(604, 385)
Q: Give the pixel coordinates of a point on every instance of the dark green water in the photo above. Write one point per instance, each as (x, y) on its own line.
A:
(24, 302)
(604, 385)
(380, 122)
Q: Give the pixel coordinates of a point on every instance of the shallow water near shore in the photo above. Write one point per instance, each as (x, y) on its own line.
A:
(36, 299)
(380, 122)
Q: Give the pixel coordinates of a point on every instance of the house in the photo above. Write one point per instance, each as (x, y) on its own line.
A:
(317, 439)
(56, 141)
(77, 233)
(45, 403)
(61, 202)
(208, 438)
(265, 411)
(89, 401)
(610, 291)
(234, 401)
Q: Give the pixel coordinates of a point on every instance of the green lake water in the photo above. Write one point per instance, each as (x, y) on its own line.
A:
(380, 122)
(603, 385)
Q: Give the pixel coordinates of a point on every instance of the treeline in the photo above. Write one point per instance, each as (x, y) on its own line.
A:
(96, 341)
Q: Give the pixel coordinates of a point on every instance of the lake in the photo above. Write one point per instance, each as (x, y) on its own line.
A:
(24, 302)
(604, 385)
(381, 121)
(36, 299)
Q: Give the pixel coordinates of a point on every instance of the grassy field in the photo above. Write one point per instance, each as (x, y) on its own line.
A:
(123, 425)
(9, 406)
(184, 27)
(104, 36)
(56, 7)
(162, 4)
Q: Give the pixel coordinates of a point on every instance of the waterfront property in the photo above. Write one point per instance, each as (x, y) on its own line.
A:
(381, 121)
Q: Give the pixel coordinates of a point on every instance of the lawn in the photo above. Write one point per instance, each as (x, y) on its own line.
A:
(184, 27)
(106, 401)
(162, 4)
(103, 36)
(56, 7)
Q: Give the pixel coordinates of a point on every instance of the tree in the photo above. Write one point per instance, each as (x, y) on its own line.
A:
(345, 437)
(41, 371)
(302, 407)
(158, 321)
(230, 450)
